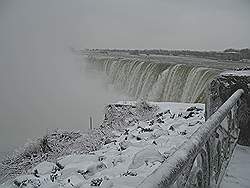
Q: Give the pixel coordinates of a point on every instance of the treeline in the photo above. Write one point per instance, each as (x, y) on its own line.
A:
(227, 54)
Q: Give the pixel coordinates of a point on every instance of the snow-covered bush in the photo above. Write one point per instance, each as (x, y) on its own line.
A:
(49, 147)
(144, 110)
(119, 116)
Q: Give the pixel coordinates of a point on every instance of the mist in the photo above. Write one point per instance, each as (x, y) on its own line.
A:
(44, 86)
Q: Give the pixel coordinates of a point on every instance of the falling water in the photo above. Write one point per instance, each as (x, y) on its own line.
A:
(154, 80)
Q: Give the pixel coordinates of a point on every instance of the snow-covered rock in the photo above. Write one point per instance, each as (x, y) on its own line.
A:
(44, 168)
(149, 154)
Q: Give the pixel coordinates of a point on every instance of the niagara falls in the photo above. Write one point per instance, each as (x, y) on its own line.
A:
(124, 94)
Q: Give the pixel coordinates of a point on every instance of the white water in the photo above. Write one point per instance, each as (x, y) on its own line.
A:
(156, 81)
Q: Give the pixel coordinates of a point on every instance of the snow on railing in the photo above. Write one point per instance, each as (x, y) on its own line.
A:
(201, 160)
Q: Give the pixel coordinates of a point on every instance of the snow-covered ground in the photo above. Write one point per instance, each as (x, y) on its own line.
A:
(238, 171)
(128, 157)
(133, 152)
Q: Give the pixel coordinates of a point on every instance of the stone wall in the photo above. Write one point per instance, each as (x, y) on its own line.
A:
(222, 88)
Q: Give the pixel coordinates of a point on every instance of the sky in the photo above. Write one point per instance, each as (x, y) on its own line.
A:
(169, 24)
(198, 25)
(41, 82)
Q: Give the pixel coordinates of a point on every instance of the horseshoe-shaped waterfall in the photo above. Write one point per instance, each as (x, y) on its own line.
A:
(156, 81)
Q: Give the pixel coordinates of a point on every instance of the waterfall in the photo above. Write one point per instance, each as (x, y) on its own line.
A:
(156, 81)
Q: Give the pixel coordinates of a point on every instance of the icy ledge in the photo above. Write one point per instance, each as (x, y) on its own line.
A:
(137, 138)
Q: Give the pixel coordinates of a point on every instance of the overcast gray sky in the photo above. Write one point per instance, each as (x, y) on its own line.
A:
(40, 82)
(179, 24)
(171, 24)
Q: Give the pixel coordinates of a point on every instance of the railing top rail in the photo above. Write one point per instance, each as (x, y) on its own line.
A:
(170, 170)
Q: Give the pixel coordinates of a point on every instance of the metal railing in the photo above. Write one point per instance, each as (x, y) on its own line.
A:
(201, 160)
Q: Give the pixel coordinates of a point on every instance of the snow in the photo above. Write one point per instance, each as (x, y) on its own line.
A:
(139, 145)
(238, 170)
(237, 73)
(44, 167)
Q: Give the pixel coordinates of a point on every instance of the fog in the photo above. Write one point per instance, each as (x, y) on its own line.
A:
(43, 85)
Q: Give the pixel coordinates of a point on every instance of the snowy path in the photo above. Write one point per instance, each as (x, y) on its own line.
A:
(238, 171)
